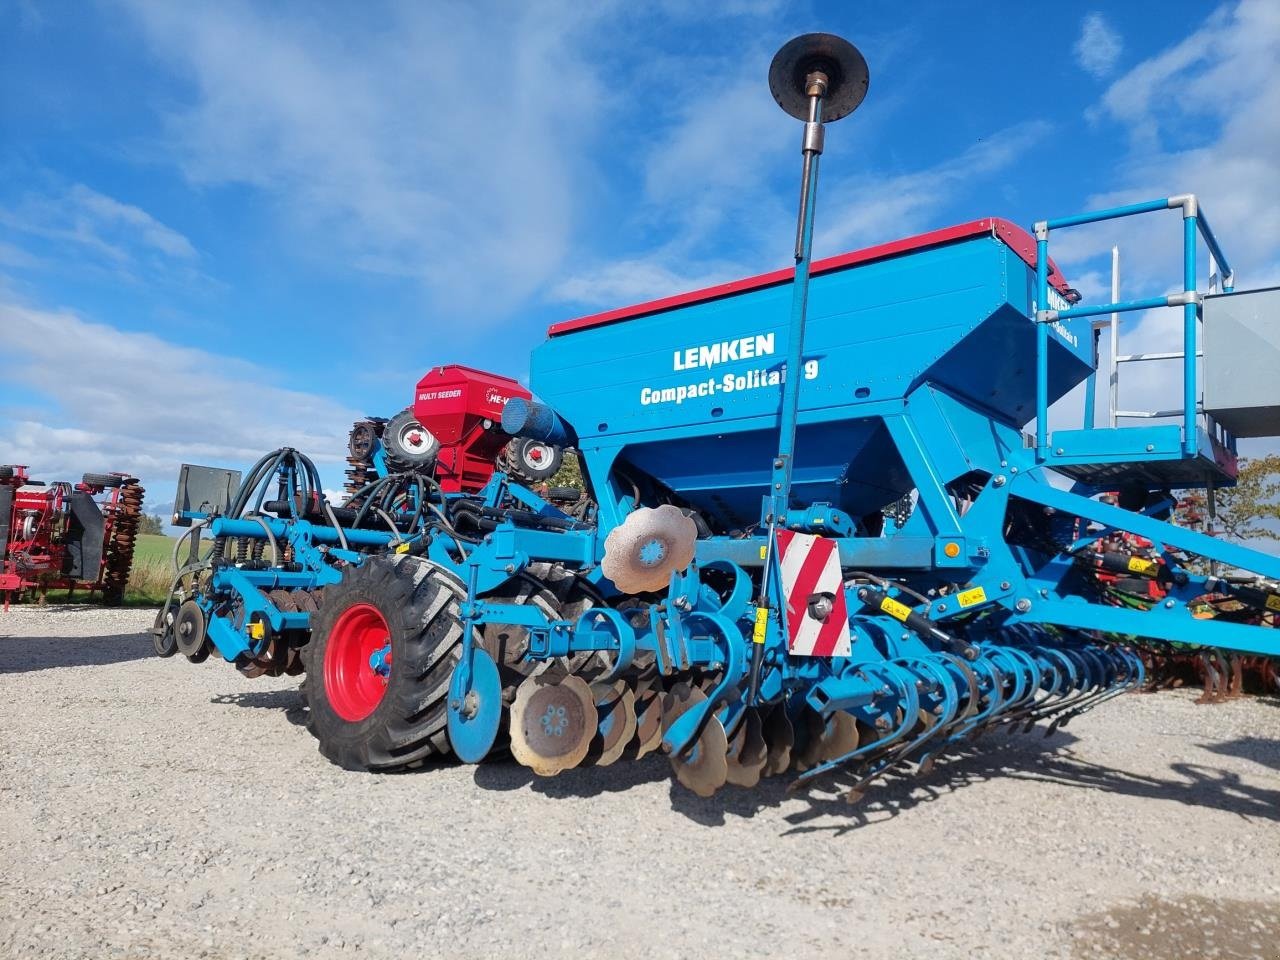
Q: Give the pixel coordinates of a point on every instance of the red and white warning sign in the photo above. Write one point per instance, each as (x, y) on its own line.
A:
(810, 579)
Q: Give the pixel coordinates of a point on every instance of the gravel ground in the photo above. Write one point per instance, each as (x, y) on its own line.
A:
(151, 808)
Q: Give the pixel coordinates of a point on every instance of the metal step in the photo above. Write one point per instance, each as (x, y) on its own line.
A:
(1149, 456)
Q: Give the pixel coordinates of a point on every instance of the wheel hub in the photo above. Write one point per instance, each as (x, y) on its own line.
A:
(357, 662)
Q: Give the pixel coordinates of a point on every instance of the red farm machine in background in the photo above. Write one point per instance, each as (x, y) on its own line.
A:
(65, 536)
(455, 422)
(1130, 572)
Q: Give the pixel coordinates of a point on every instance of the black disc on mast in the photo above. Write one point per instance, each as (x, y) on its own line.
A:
(836, 58)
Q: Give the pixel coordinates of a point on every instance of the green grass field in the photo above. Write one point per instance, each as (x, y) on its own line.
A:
(152, 569)
(152, 546)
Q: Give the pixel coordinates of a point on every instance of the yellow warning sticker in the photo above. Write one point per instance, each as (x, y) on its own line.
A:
(762, 625)
(967, 598)
(1273, 601)
(899, 611)
(402, 548)
(1146, 567)
(763, 552)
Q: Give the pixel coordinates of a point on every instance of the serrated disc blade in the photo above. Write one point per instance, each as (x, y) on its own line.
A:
(552, 723)
(615, 722)
(648, 705)
(779, 738)
(642, 552)
(704, 769)
(747, 754)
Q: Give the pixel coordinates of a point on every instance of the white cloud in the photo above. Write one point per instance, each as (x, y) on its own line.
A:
(149, 231)
(1203, 116)
(705, 174)
(108, 399)
(446, 143)
(635, 281)
(1098, 47)
(1217, 138)
(96, 225)
(729, 164)
(869, 209)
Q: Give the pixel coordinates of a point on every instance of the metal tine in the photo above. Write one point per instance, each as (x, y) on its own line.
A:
(1052, 685)
(910, 707)
(1137, 665)
(964, 722)
(995, 696)
(882, 766)
(946, 682)
(1047, 679)
(1132, 679)
(1035, 674)
(970, 680)
(1099, 691)
(1012, 671)
(1089, 679)
(1066, 680)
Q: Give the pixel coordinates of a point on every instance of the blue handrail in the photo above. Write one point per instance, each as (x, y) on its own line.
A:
(1193, 224)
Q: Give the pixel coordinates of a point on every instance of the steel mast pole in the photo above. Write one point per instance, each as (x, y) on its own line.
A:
(816, 77)
(780, 483)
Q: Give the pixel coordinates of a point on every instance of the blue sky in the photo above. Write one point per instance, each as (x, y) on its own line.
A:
(224, 227)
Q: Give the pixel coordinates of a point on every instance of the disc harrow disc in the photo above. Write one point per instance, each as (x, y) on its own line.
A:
(704, 768)
(779, 738)
(648, 706)
(747, 753)
(641, 553)
(616, 723)
(552, 723)
(828, 738)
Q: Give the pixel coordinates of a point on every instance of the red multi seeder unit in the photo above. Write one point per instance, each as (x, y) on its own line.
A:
(454, 424)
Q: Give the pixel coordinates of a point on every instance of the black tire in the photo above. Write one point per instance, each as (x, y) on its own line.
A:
(408, 444)
(101, 480)
(361, 440)
(164, 643)
(408, 725)
(532, 461)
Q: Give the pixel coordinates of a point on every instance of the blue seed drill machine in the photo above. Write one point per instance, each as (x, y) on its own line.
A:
(811, 534)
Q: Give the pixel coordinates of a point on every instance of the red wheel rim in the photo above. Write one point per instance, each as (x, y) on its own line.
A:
(353, 687)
